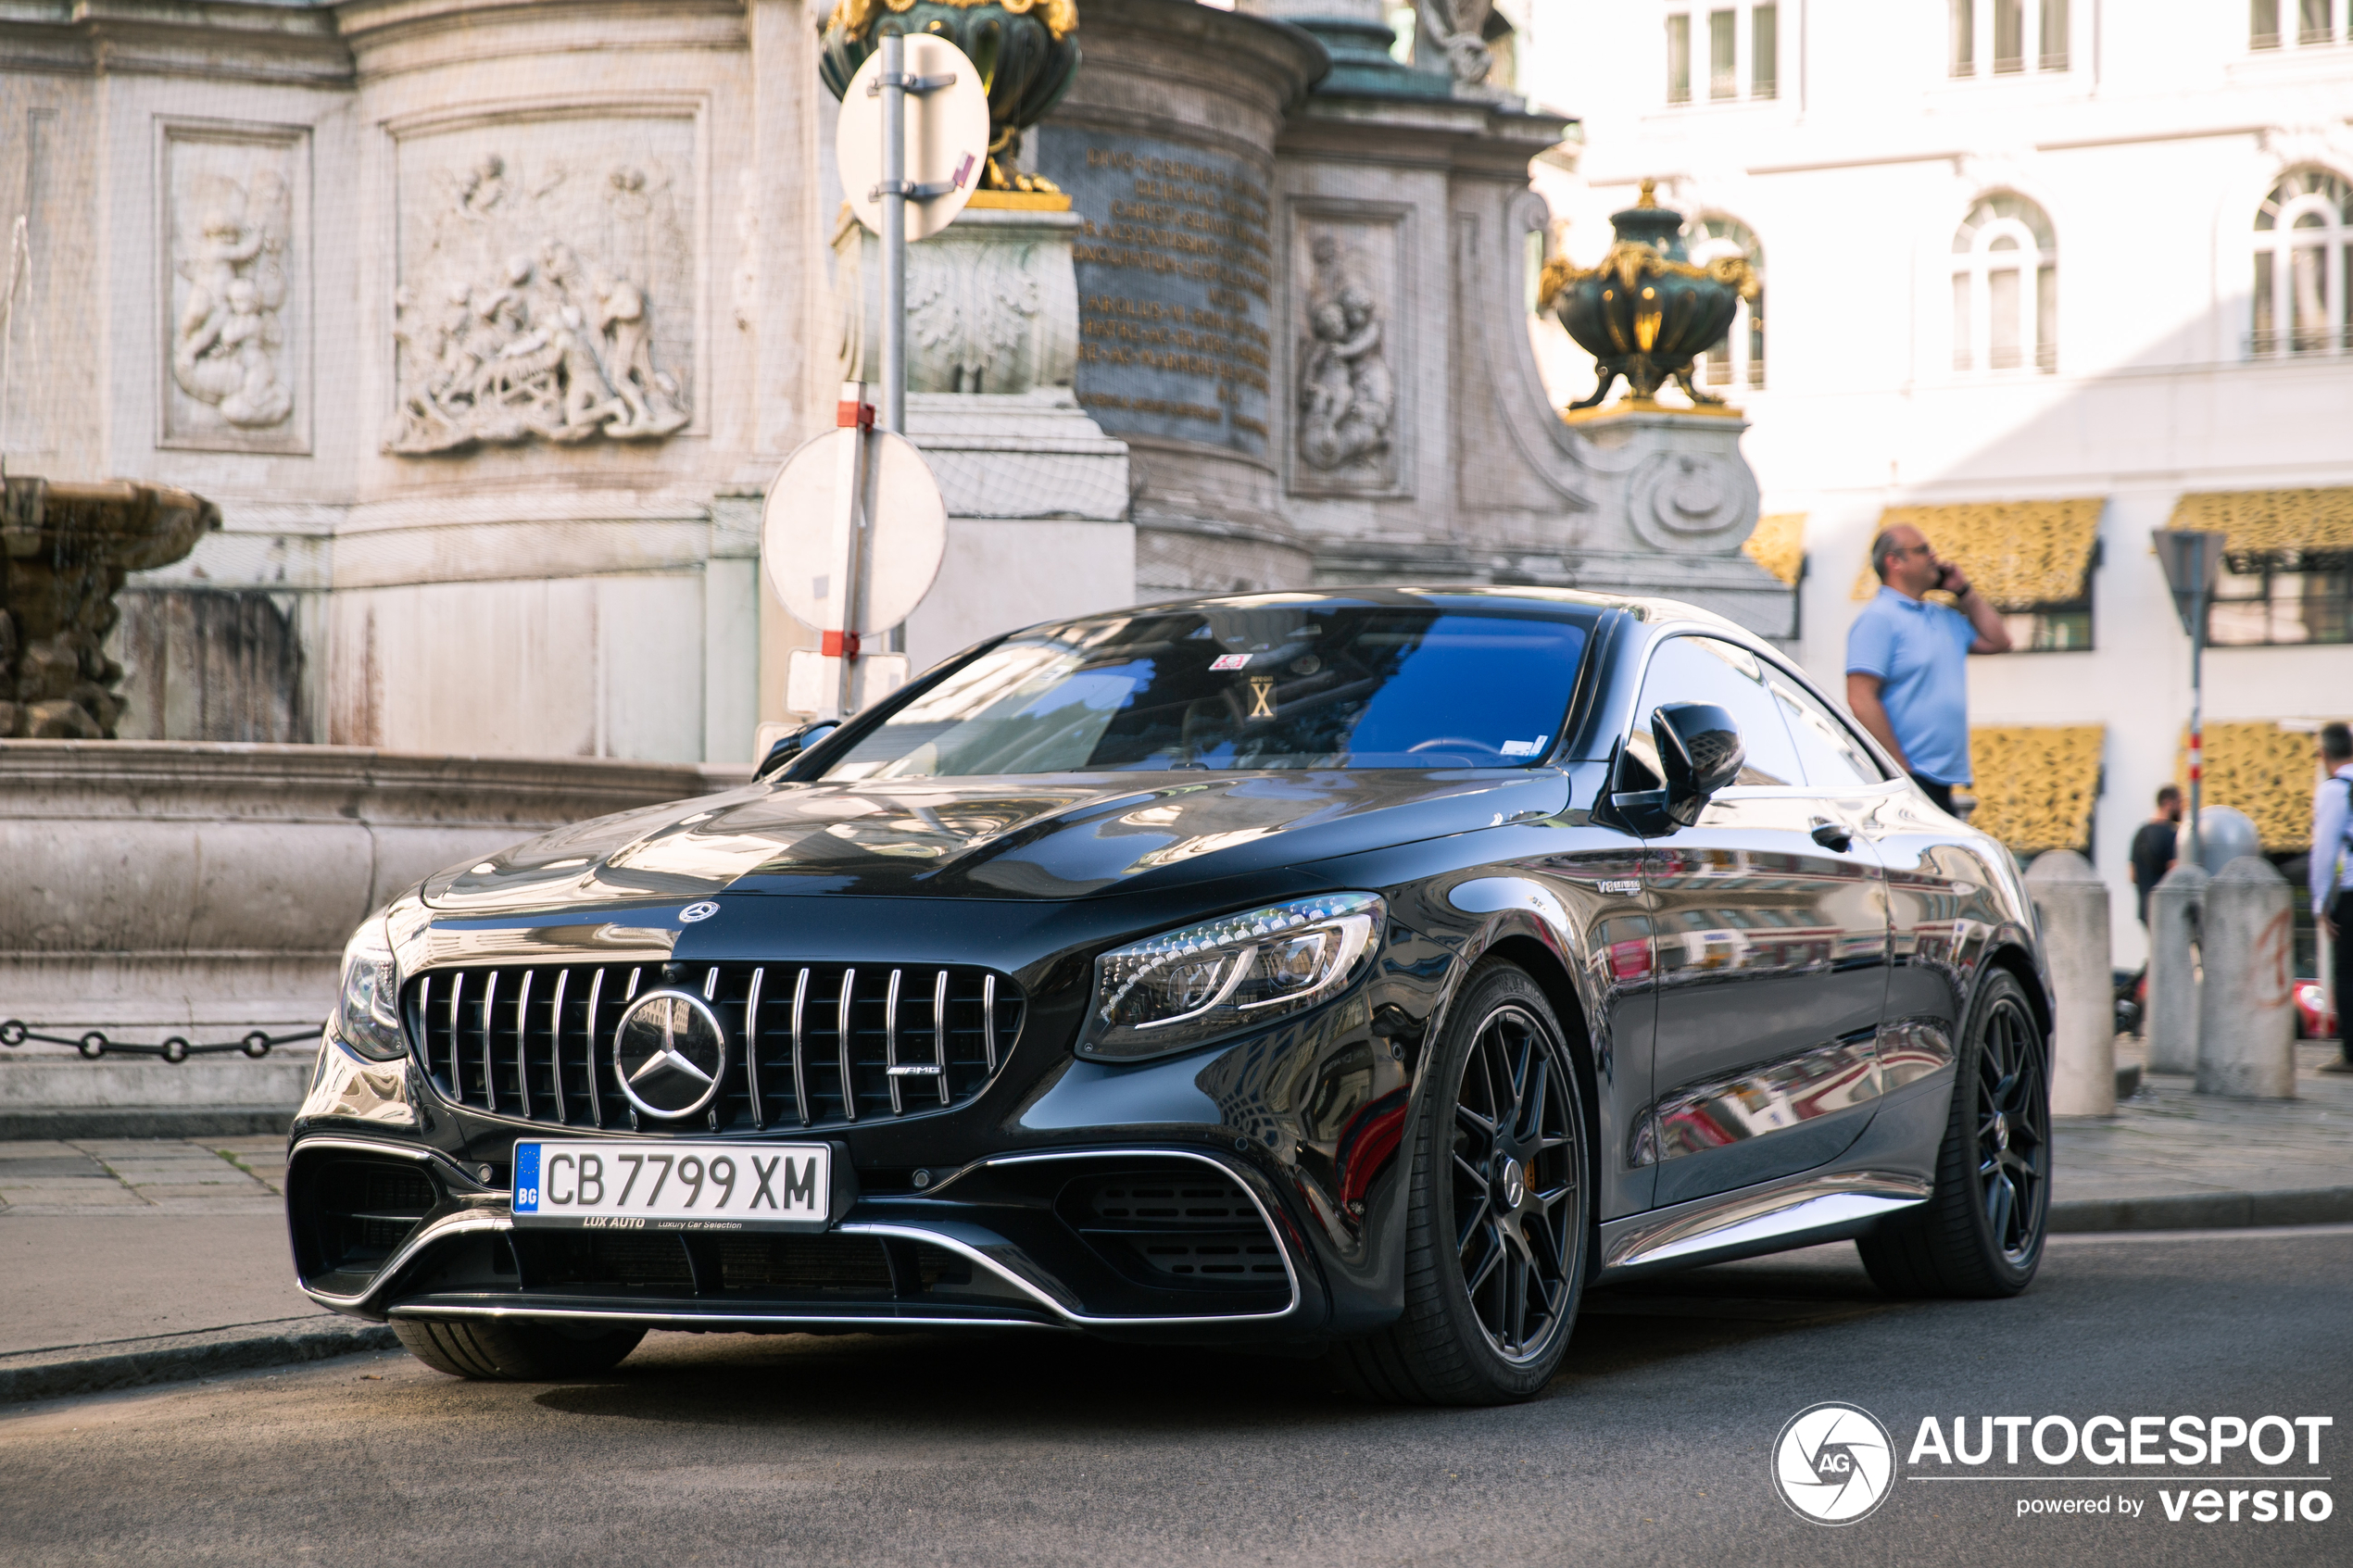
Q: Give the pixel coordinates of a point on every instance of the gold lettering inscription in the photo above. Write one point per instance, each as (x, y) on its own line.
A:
(1186, 220)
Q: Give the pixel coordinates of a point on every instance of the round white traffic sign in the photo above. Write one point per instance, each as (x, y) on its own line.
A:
(905, 525)
(947, 136)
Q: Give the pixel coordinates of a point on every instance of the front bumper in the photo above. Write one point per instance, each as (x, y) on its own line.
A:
(1150, 1242)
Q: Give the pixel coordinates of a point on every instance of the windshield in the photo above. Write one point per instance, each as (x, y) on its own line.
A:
(1257, 685)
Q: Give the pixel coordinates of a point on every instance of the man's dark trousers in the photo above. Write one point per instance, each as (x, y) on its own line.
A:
(2341, 966)
(1940, 793)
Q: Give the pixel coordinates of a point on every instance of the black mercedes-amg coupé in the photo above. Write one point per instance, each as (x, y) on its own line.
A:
(1364, 973)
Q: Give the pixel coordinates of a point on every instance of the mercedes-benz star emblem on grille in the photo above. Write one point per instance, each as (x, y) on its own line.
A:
(670, 1054)
(694, 913)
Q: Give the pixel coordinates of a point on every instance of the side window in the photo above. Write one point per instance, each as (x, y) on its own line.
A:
(1704, 670)
(1831, 754)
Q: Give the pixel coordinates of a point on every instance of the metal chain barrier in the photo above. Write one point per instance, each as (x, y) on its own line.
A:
(175, 1048)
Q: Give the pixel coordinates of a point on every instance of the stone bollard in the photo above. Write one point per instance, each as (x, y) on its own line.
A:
(2073, 902)
(2247, 1017)
(2176, 906)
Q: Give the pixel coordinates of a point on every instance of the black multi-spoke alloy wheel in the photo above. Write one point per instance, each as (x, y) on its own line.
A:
(1982, 1234)
(516, 1353)
(1499, 1214)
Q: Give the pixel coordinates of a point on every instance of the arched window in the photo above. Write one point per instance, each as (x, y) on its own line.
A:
(2303, 250)
(1738, 357)
(2005, 288)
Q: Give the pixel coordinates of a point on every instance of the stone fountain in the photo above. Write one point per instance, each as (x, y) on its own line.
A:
(65, 550)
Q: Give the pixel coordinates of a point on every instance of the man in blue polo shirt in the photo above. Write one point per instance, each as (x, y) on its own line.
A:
(1908, 660)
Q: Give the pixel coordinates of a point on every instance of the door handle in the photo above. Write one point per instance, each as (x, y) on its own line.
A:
(1833, 836)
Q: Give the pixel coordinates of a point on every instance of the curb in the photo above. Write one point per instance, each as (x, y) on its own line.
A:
(91, 1368)
(2203, 1210)
(146, 1122)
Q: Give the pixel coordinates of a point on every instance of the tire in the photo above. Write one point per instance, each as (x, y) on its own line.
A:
(1499, 1212)
(1982, 1234)
(515, 1352)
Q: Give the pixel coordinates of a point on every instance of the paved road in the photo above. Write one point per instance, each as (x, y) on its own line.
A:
(1651, 1447)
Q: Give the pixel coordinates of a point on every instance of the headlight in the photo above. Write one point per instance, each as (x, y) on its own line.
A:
(368, 1010)
(1182, 987)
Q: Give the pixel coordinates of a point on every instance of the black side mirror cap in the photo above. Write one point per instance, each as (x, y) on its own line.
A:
(1700, 750)
(781, 754)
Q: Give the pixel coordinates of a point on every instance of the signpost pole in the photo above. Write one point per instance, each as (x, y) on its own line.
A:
(893, 81)
(2191, 558)
(846, 558)
(2198, 544)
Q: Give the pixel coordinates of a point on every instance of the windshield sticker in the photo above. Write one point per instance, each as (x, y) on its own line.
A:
(1262, 696)
(1523, 747)
(1229, 662)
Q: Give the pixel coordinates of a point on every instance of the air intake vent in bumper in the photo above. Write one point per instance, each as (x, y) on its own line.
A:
(1175, 1227)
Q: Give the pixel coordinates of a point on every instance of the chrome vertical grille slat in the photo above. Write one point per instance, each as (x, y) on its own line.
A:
(751, 1050)
(939, 1031)
(799, 1068)
(843, 1034)
(989, 1018)
(595, 1100)
(489, 1062)
(457, 1017)
(890, 1045)
(522, 1044)
(556, 1042)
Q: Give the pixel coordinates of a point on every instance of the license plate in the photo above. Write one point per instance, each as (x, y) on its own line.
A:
(615, 1186)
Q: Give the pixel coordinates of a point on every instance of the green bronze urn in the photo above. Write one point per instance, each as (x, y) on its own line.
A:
(1024, 49)
(1646, 311)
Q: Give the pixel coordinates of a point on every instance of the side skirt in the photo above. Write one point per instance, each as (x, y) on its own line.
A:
(1769, 1217)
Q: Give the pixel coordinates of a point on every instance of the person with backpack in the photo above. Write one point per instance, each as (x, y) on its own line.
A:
(2332, 877)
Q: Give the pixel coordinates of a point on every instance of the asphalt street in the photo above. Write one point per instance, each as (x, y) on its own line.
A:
(1652, 1447)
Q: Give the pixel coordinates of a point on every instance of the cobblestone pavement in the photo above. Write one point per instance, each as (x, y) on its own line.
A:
(144, 1175)
(2169, 1140)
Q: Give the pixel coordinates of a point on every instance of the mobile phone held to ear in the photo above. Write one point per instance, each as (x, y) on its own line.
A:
(1944, 576)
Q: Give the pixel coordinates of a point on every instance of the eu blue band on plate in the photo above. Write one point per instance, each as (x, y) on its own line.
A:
(527, 1178)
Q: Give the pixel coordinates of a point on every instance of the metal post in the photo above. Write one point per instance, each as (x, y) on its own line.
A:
(2197, 692)
(892, 414)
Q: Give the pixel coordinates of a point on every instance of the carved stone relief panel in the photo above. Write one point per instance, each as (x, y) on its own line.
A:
(547, 282)
(1349, 431)
(235, 223)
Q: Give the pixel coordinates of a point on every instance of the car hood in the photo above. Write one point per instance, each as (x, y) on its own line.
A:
(1033, 836)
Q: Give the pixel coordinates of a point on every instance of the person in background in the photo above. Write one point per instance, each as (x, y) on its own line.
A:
(2332, 877)
(2155, 847)
(1906, 660)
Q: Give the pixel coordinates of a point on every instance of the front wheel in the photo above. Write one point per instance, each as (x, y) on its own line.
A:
(1498, 1210)
(515, 1352)
(1982, 1234)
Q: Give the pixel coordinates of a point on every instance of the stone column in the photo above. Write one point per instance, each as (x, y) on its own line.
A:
(2073, 901)
(2176, 907)
(2247, 1020)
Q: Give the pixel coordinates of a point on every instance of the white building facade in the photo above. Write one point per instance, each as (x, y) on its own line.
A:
(2059, 273)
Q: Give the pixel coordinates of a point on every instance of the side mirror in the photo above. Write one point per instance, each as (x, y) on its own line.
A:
(781, 754)
(1699, 749)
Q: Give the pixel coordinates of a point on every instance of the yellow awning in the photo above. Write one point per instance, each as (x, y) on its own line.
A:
(2272, 520)
(1779, 544)
(2036, 783)
(2019, 554)
(2263, 770)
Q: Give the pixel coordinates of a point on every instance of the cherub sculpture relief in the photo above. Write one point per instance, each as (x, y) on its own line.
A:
(1347, 397)
(227, 343)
